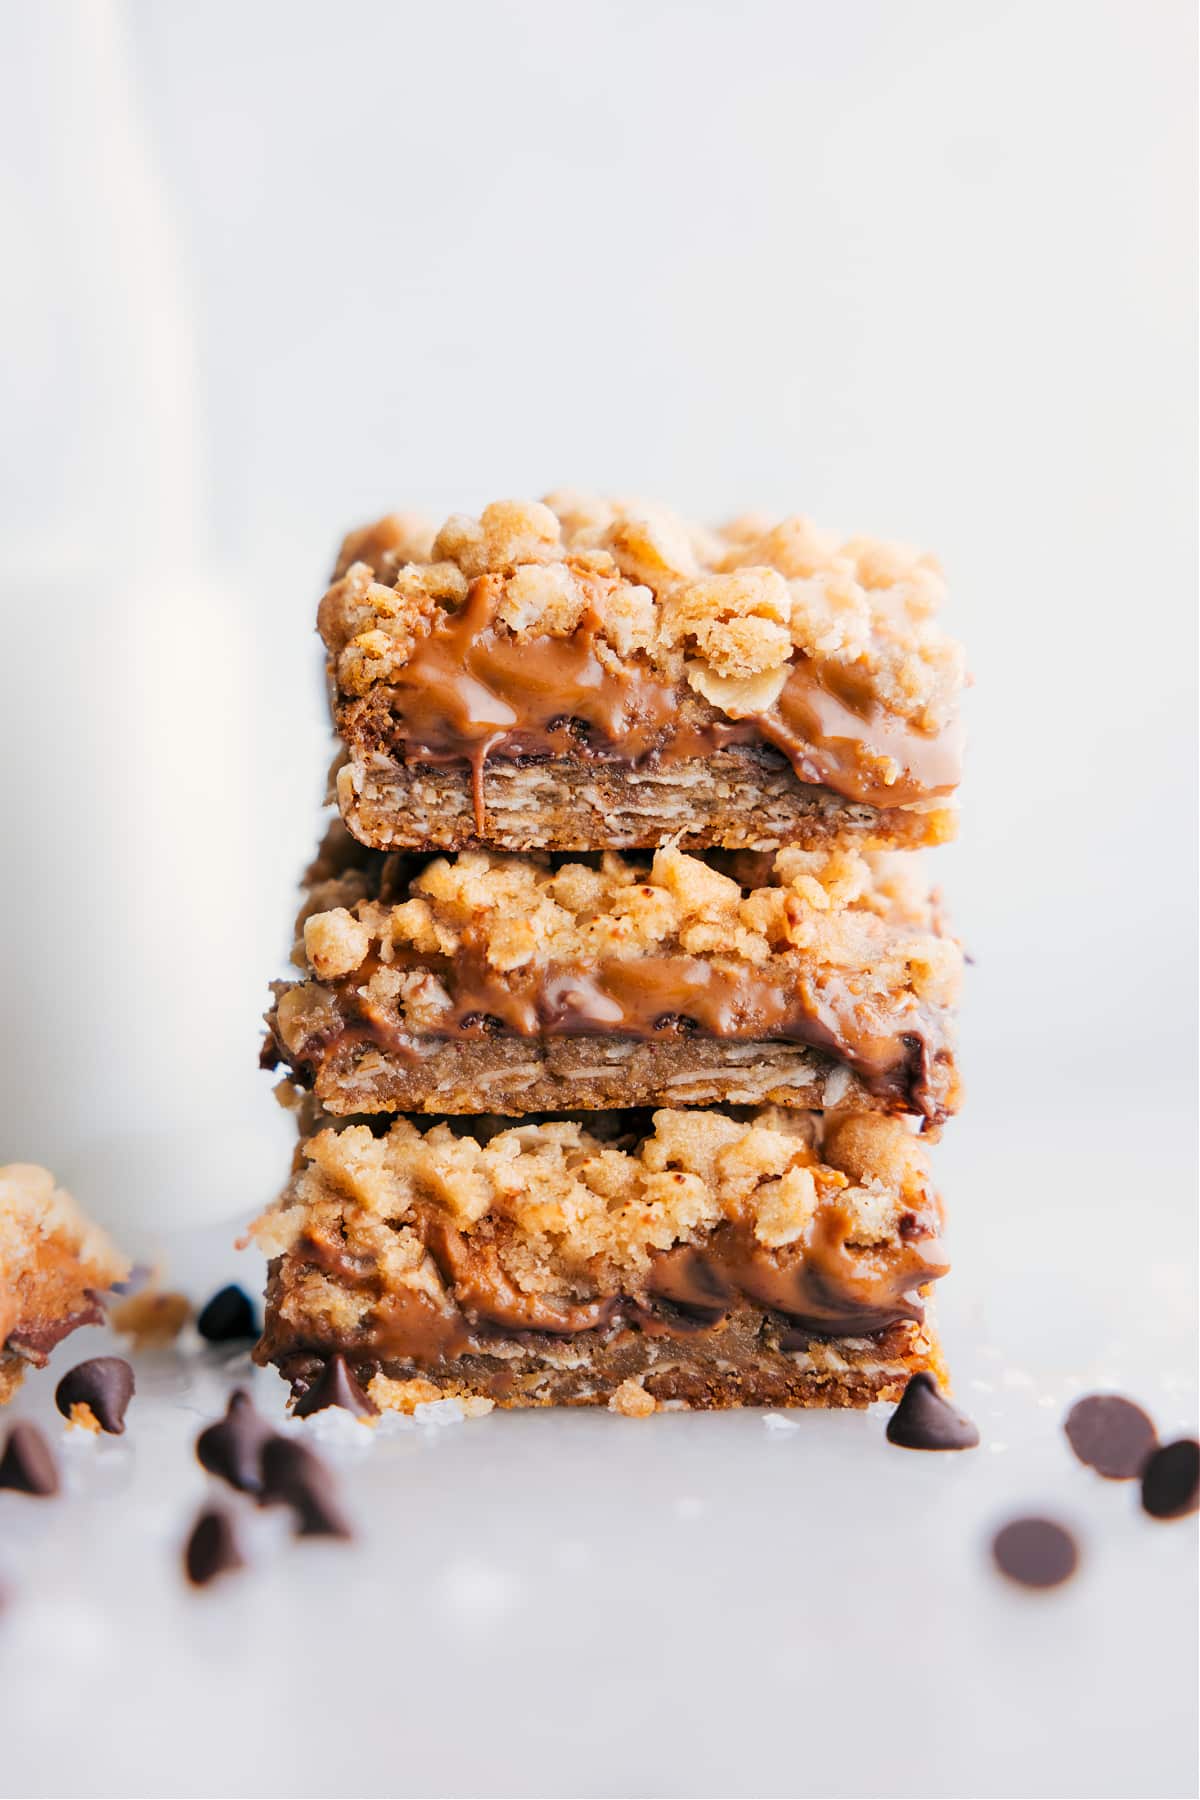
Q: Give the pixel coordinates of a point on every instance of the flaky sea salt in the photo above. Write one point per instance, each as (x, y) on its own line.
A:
(439, 1412)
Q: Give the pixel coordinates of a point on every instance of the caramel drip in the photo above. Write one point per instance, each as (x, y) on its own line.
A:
(472, 690)
(408, 1325)
(837, 741)
(822, 1285)
(484, 1291)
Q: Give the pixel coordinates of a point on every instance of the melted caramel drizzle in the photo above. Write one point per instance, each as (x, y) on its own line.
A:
(822, 1286)
(472, 690)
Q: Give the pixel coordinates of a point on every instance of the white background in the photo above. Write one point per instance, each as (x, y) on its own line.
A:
(917, 268)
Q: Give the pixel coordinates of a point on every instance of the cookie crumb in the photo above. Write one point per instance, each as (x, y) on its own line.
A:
(152, 1319)
(633, 1401)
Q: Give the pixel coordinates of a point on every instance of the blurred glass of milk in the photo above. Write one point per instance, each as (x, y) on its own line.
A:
(145, 903)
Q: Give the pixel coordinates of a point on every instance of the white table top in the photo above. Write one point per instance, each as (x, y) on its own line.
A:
(581, 1604)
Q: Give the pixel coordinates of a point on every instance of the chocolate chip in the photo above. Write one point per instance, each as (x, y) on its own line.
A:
(1035, 1552)
(317, 1515)
(294, 1475)
(1171, 1480)
(28, 1465)
(1110, 1434)
(104, 1385)
(925, 1419)
(335, 1386)
(287, 1465)
(228, 1316)
(212, 1548)
(481, 1024)
(232, 1448)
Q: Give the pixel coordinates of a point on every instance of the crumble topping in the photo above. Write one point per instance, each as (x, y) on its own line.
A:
(729, 611)
(566, 1211)
(838, 908)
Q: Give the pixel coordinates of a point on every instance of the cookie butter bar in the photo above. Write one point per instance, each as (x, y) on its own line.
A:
(542, 983)
(54, 1265)
(585, 673)
(694, 1257)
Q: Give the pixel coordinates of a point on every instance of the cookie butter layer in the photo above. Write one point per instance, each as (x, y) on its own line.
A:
(583, 631)
(54, 1265)
(451, 1255)
(663, 965)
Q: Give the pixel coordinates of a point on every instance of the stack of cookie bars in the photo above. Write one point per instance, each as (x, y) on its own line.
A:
(621, 1028)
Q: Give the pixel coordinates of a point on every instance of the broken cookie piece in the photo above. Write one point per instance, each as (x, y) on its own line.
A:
(55, 1266)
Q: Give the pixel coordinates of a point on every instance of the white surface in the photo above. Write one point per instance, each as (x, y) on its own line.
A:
(578, 1604)
(911, 266)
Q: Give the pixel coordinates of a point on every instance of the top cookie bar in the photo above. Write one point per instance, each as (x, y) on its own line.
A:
(583, 673)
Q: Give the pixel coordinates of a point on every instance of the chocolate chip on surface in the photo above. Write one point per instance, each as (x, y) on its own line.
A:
(925, 1419)
(27, 1465)
(1111, 1435)
(335, 1386)
(102, 1387)
(288, 1465)
(293, 1474)
(317, 1514)
(1037, 1553)
(228, 1316)
(232, 1447)
(1171, 1480)
(212, 1548)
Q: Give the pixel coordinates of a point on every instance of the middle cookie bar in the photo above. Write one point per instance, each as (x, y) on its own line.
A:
(521, 984)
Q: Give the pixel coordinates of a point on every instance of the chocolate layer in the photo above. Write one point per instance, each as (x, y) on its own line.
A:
(37, 1337)
(572, 1074)
(748, 1361)
(340, 1042)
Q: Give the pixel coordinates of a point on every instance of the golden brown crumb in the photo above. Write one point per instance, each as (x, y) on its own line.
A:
(401, 1396)
(405, 1396)
(632, 1399)
(152, 1319)
(82, 1415)
(334, 943)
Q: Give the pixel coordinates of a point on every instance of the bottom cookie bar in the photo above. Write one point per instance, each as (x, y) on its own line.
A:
(54, 1265)
(700, 1258)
